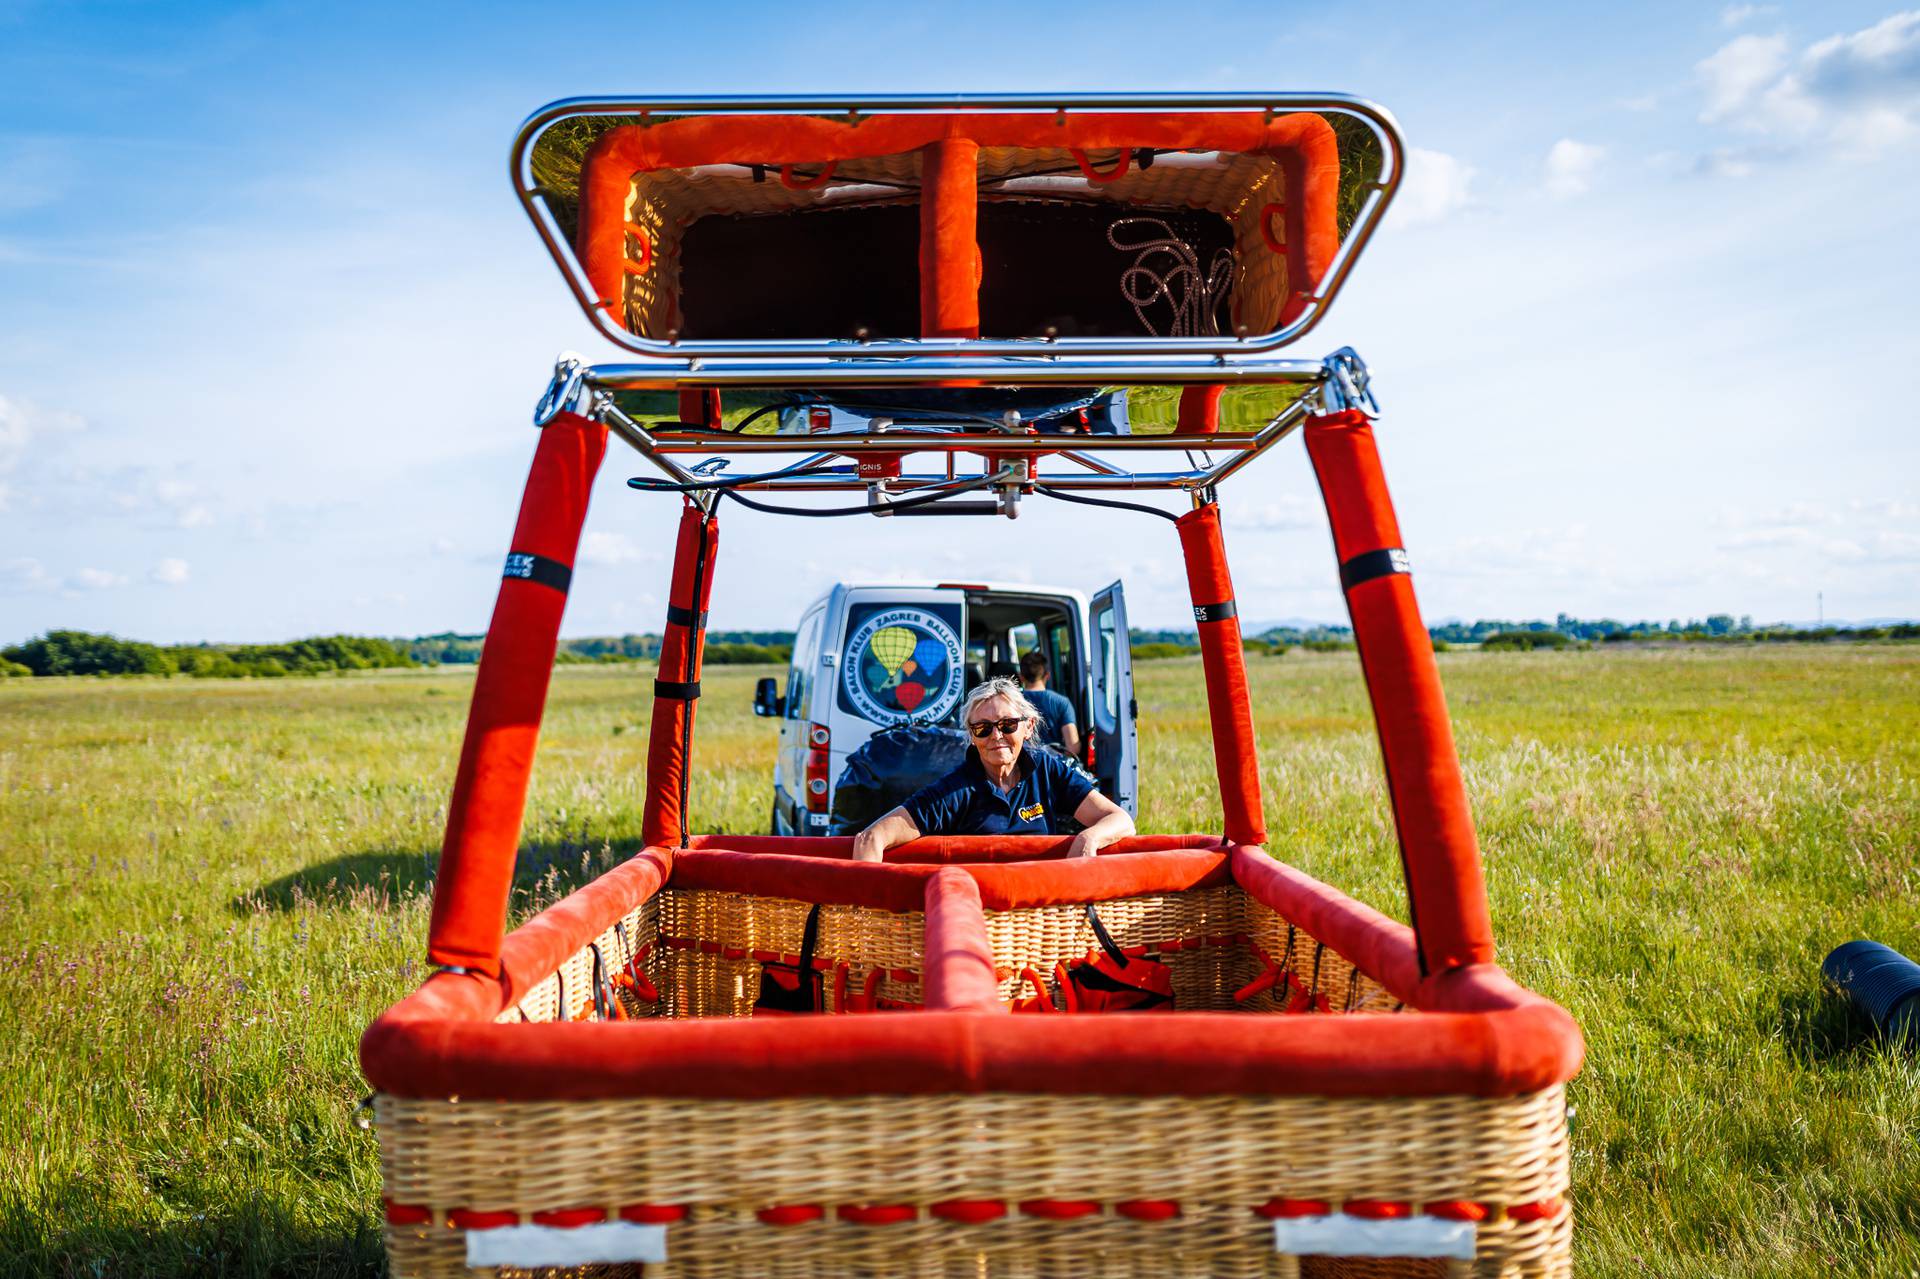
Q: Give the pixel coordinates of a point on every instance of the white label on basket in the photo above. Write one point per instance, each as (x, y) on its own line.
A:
(1338, 1235)
(607, 1241)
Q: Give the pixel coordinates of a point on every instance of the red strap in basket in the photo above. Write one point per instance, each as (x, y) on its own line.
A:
(1114, 981)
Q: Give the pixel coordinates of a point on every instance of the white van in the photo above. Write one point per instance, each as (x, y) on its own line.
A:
(871, 657)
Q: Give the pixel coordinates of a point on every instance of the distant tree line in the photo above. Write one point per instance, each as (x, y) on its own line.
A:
(724, 648)
(1563, 632)
(1717, 628)
(84, 653)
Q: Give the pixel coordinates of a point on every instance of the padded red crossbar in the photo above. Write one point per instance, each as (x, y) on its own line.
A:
(959, 962)
(1470, 1030)
(1445, 888)
(475, 876)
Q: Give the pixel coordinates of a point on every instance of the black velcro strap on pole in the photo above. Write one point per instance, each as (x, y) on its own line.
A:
(538, 568)
(1215, 612)
(1381, 563)
(676, 692)
(677, 616)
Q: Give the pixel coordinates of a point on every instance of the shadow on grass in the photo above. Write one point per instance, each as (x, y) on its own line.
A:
(543, 872)
(1822, 1025)
(246, 1239)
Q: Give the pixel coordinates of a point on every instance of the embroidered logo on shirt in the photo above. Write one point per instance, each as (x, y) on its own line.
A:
(1031, 811)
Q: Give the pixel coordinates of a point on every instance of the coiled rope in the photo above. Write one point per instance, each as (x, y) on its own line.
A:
(1167, 268)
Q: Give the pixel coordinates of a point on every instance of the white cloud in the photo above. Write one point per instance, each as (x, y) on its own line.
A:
(1739, 74)
(97, 579)
(1832, 548)
(1571, 166)
(196, 516)
(1437, 186)
(1735, 15)
(1857, 93)
(614, 548)
(26, 574)
(170, 572)
(21, 422)
(6, 496)
(1887, 529)
(1291, 512)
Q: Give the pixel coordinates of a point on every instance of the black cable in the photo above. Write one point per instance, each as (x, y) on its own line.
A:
(759, 413)
(647, 484)
(1142, 508)
(904, 504)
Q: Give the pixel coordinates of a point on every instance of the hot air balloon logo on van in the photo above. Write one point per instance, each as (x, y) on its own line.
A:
(903, 663)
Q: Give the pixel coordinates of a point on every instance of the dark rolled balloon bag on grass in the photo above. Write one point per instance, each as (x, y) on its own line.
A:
(1882, 983)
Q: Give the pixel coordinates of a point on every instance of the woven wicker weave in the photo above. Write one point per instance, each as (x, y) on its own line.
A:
(727, 1159)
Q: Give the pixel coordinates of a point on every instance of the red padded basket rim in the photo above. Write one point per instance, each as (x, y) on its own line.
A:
(1472, 1031)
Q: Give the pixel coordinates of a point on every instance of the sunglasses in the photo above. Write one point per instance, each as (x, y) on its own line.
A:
(986, 728)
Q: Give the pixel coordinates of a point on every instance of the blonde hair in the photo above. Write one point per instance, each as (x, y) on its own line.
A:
(999, 686)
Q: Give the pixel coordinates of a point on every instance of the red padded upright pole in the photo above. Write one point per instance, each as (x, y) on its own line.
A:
(1445, 886)
(701, 408)
(949, 242)
(471, 888)
(1200, 409)
(1216, 615)
(682, 644)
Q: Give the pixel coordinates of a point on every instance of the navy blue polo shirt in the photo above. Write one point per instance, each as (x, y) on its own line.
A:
(1049, 791)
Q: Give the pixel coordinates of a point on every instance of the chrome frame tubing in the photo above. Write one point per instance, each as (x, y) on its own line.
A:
(1028, 371)
(1004, 357)
(807, 475)
(1342, 381)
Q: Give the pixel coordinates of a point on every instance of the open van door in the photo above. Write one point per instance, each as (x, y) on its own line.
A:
(1116, 749)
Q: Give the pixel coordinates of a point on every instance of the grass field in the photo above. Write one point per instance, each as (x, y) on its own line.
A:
(207, 890)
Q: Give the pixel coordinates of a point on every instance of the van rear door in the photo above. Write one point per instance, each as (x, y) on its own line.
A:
(1116, 754)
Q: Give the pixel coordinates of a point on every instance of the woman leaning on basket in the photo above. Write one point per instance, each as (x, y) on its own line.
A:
(1005, 786)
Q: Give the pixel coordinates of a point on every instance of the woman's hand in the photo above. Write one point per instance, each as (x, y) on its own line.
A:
(1103, 822)
(871, 844)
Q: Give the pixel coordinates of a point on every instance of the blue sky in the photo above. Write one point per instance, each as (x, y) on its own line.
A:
(271, 323)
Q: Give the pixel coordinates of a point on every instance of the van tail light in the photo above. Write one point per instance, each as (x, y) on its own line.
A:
(818, 760)
(1090, 736)
(819, 421)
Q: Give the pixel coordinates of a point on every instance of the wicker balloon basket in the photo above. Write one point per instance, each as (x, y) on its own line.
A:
(752, 1056)
(1307, 1104)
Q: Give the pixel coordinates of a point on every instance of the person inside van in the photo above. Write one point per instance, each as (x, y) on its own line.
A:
(1002, 787)
(1058, 725)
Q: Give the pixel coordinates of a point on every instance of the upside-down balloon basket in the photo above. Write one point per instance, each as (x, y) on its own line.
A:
(750, 1055)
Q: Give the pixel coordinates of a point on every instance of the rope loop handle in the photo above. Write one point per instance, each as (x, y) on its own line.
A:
(645, 262)
(1118, 171)
(1266, 227)
(791, 183)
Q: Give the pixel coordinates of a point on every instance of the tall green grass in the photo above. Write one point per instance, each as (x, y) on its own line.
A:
(208, 890)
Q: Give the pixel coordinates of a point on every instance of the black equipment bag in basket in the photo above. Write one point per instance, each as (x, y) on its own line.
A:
(786, 989)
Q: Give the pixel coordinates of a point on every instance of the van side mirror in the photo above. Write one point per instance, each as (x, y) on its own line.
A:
(767, 702)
